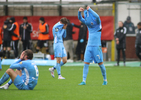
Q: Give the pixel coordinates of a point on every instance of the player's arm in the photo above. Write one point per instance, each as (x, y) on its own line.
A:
(47, 30)
(16, 65)
(65, 34)
(80, 16)
(124, 34)
(93, 12)
(13, 27)
(29, 28)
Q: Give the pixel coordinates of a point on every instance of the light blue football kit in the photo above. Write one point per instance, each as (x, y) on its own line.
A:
(29, 77)
(93, 49)
(59, 50)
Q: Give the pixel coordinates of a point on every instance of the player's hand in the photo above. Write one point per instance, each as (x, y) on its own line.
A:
(88, 7)
(24, 27)
(22, 56)
(39, 31)
(117, 42)
(65, 26)
(81, 9)
(117, 39)
(5, 26)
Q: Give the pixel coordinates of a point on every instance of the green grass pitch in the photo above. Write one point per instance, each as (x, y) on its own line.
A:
(124, 83)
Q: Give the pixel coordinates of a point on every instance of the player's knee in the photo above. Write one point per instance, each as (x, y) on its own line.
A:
(8, 71)
(100, 63)
(65, 61)
(86, 63)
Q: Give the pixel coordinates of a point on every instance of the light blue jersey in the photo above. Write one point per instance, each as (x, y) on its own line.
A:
(29, 76)
(59, 33)
(93, 22)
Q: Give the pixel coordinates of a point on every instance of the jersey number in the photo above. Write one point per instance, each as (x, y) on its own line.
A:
(36, 69)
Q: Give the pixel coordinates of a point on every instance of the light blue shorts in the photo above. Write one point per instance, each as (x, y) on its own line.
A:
(59, 50)
(20, 84)
(93, 53)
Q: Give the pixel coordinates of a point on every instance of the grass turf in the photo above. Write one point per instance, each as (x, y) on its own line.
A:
(124, 83)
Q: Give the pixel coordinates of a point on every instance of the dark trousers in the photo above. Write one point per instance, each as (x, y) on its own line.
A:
(138, 51)
(80, 49)
(123, 55)
(15, 47)
(26, 44)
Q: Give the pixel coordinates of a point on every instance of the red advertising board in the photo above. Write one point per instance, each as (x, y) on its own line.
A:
(107, 25)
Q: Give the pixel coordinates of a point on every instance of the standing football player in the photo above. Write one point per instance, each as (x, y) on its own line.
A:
(59, 32)
(93, 49)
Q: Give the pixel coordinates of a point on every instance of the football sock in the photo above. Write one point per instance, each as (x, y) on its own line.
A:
(61, 64)
(103, 71)
(0, 63)
(58, 67)
(10, 82)
(85, 71)
(4, 78)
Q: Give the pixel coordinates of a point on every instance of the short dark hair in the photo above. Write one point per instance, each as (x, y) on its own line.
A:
(139, 24)
(29, 54)
(25, 17)
(64, 20)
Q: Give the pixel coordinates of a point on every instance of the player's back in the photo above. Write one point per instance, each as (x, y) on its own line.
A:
(30, 73)
(57, 29)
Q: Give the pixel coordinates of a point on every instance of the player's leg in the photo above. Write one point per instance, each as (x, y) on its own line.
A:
(124, 56)
(1, 54)
(98, 58)
(6, 86)
(87, 60)
(39, 44)
(46, 46)
(8, 49)
(118, 57)
(9, 73)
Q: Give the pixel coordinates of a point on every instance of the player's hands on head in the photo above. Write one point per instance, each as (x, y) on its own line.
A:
(65, 26)
(81, 9)
(88, 7)
(22, 56)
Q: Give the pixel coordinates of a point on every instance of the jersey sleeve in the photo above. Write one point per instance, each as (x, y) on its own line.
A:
(80, 17)
(17, 65)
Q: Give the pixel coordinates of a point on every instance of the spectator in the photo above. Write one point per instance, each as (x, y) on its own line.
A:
(0, 36)
(68, 41)
(25, 30)
(14, 29)
(80, 49)
(138, 42)
(6, 39)
(43, 35)
(129, 25)
(120, 37)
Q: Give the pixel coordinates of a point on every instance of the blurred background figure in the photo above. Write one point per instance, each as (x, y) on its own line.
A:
(1, 54)
(14, 29)
(6, 39)
(68, 41)
(129, 25)
(138, 42)
(43, 35)
(0, 37)
(120, 37)
(25, 30)
(81, 45)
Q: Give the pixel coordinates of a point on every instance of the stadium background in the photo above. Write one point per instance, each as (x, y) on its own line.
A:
(110, 11)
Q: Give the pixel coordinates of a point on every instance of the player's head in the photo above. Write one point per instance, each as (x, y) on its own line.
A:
(28, 54)
(139, 25)
(12, 20)
(128, 19)
(24, 19)
(64, 20)
(120, 24)
(41, 20)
